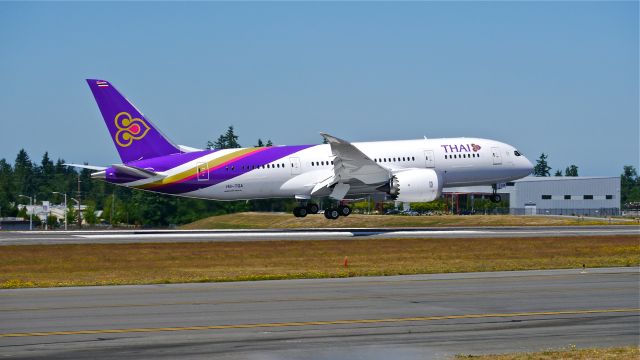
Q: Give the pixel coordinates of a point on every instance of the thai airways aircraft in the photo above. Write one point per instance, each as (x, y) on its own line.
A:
(405, 170)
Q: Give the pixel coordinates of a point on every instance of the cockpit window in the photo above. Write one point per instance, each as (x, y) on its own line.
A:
(517, 153)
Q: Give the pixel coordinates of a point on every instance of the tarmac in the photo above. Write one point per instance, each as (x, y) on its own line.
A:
(399, 317)
(137, 236)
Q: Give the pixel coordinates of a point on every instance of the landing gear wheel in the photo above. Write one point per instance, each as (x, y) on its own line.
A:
(331, 213)
(495, 198)
(344, 210)
(300, 211)
(312, 208)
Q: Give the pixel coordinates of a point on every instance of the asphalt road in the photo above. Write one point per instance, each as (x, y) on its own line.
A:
(402, 317)
(128, 236)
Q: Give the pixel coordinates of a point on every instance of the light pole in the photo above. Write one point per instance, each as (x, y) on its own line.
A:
(65, 208)
(31, 212)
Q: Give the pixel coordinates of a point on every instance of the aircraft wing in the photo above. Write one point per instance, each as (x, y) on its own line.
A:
(350, 163)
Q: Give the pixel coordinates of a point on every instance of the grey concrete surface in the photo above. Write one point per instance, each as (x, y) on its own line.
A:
(127, 236)
(400, 317)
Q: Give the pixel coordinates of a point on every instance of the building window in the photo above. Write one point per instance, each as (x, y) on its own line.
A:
(511, 184)
(567, 197)
(609, 197)
(588, 197)
(546, 197)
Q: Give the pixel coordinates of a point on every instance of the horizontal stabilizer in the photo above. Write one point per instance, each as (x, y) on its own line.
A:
(90, 167)
(135, 171)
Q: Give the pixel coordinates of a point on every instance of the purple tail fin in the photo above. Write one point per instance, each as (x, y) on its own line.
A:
(134, 136)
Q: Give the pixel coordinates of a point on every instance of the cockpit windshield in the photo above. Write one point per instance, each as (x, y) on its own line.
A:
(517, 153)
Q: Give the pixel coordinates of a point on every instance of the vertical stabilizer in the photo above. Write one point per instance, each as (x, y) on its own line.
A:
(134, 136)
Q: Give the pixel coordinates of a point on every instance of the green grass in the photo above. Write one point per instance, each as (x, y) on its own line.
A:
(257, 220)
(153, 263)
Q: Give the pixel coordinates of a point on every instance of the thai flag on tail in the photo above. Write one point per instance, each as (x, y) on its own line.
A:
(102, 83)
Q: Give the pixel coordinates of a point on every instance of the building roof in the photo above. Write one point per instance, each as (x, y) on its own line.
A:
(566, 178)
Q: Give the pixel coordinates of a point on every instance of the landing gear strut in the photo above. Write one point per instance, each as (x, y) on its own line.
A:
(495, 197)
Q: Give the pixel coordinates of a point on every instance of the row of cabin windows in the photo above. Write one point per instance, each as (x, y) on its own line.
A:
(404, 158)
(321, 163)
(253, 167)
(462, 156)
(584, 197)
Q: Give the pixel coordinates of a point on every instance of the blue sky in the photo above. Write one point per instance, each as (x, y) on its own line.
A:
(554, 77)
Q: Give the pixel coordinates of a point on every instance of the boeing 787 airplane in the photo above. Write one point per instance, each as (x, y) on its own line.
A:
(404, 170)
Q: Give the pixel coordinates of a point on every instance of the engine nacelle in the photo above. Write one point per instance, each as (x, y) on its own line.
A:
(415, 185)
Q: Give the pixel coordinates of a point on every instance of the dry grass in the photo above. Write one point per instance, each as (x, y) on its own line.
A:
(110, 264)
(257, 220)
(617, 353)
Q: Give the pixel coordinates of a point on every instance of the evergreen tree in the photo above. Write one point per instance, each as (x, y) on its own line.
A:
(269, 143)
(7, 195)
(558, 173)
(571, 170)
(260, 143)
(23, 174)
(542, 168)
(229, 140)
(629, 185)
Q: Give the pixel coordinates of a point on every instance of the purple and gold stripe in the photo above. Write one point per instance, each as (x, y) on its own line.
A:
(218, 169)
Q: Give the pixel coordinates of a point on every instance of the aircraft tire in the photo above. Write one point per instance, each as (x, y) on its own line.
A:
(495, 198)
(331, 213)
(344, 210)
(300, 211)
(312, 208)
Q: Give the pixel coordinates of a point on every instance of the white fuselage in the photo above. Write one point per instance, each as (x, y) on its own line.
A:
(459, 162)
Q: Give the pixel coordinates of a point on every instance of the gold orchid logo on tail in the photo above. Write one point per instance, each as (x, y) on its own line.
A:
(129, 129)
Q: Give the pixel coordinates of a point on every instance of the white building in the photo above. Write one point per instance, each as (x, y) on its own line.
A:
(556, 195)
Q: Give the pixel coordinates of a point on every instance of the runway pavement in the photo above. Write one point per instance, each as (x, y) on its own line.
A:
(129, 236)
(400, 317)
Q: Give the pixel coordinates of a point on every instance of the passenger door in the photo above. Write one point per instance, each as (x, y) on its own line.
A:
(201, 171)
(497, 159)
(429, 159)
(295, 165)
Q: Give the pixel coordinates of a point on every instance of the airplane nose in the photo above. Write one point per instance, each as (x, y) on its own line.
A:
(528, 166)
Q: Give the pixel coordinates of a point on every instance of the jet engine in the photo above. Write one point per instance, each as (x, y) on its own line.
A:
(414, 185)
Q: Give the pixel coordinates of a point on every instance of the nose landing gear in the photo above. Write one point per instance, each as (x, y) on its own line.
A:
(495, 197)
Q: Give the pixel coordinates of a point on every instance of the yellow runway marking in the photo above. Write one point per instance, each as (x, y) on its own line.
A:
(321, 323)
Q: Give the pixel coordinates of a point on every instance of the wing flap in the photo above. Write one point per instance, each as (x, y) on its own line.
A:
(351, 163)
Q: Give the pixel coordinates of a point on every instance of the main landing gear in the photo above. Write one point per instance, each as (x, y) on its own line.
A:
(331, 213)
(302, 211)
(495, 197)
(334, 213)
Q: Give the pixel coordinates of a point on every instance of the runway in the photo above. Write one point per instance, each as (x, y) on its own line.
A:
(400, 317)
(137, 236)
